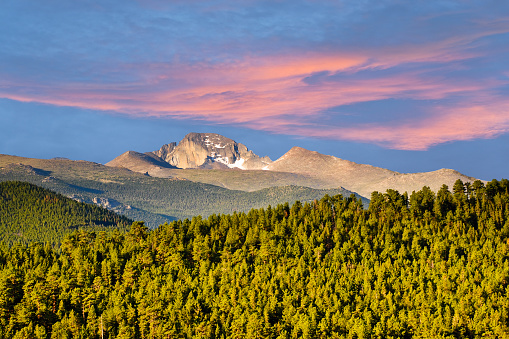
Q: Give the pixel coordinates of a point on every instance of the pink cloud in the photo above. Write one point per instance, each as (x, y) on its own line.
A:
(269, 93)
(444, 125)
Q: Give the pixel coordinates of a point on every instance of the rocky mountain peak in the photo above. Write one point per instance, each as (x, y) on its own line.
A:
(210, 150)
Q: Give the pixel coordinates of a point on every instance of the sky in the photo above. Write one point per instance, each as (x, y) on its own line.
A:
(411, 86)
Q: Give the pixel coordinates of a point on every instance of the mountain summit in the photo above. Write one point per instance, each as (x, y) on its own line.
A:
(210, 150)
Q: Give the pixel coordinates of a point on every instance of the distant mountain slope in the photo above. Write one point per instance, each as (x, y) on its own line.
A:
(32, 213)
(331, 170)
(249, 180)
(141, 197)
(408, 182)
(360, 178)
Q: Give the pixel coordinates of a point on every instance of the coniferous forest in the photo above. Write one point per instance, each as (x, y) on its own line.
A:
(428, 265)
(31, 213)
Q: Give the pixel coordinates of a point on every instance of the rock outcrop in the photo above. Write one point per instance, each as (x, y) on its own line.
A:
(164, 153)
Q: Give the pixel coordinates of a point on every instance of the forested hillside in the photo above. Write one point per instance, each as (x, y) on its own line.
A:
(30, 213)
(429, 266)
(141, 197)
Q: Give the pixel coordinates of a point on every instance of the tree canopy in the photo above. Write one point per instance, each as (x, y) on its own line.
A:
(424, 265)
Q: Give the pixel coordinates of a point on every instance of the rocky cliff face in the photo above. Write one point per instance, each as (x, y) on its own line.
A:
(165, 151)
(210, 150)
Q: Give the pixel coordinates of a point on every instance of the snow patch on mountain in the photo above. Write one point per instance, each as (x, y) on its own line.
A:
(237, 164)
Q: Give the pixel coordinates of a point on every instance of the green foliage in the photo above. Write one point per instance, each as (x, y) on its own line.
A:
(30, 213)
(425, 266)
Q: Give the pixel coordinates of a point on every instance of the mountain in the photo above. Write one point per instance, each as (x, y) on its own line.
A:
(139, 162)
(31, 213)
(203, 157)
(331, 170)
(210, 150)
(360, 178)
(151, 199)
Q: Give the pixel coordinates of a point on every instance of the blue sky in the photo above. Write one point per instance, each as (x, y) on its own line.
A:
(410, 86)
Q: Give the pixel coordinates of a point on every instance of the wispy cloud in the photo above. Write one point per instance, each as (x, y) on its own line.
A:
(446, 125)
(272, 78)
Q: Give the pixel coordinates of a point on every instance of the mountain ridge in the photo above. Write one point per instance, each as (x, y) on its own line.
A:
(298, 166)
(361, 178)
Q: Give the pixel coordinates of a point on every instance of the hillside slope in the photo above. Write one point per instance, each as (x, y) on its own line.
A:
(139, 162)
(31, 213)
